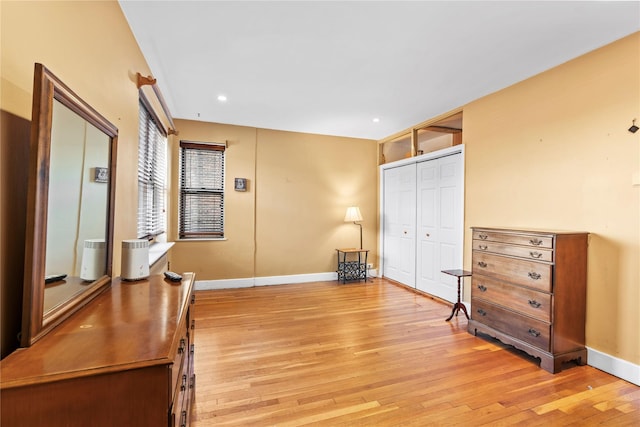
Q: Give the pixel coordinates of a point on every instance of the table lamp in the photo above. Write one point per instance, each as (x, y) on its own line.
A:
(354, 215)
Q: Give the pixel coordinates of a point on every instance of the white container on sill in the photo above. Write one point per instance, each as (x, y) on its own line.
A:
(135, 259)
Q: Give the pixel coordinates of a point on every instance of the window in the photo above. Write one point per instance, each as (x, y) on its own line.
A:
(152, 167)
(201, 190)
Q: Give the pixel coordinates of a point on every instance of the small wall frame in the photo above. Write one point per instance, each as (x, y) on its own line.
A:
(101, 175)
(240, 184)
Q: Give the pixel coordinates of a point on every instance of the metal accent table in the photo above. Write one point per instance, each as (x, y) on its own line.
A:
(354, 268)
(458, 305)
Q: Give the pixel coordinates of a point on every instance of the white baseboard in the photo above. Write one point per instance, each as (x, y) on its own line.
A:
(249, 282)
(295, 278)
(614, 366)
(206, 285)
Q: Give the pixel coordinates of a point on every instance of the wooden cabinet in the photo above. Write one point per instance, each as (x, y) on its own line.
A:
(529, 290)
(126, 358)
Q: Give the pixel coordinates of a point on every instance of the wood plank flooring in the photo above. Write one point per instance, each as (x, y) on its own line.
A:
(377, 354)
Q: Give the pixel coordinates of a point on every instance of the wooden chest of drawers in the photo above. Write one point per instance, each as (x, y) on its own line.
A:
(528, 290)
(125, 359)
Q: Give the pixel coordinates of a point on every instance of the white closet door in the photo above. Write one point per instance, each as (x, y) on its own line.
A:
(399, 219)
(439, 225)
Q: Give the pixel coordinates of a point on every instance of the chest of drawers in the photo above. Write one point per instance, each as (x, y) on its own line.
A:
(125, 359)
(529, 290)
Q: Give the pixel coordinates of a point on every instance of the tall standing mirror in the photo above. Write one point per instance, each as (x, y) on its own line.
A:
(69, 241)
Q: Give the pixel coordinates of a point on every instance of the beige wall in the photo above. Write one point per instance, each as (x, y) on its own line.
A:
(89, 46)
(554, 152)
(291, 218)
(234, 256)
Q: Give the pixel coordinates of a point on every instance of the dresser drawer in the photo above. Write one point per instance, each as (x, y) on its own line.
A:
(527, 252)
(179, 361)
(527, 301)
(532, 331)
(530, 240)
(179, 416)
(537, 275)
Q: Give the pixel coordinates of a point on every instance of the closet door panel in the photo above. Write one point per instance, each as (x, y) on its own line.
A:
(427, 236)
(451, 195)
(391, 224)
(399, 218)
(439, 225)
(450, 186)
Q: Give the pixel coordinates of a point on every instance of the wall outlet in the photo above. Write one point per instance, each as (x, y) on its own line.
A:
(369, 265)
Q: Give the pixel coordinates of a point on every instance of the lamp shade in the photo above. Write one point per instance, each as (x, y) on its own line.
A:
(353, 214)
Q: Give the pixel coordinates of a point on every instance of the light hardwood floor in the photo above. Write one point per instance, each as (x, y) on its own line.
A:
(377, 354)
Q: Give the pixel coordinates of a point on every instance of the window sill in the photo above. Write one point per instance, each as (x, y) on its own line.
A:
(158, 250)
(204, 239)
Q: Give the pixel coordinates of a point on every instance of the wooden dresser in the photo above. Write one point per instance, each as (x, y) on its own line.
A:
(529, 290)
(125, 359)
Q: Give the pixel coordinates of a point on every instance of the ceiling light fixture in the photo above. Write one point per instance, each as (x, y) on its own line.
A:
(376, 120)
(222, 98)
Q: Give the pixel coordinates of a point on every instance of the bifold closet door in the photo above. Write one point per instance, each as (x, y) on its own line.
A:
(439, 225)
(399, 224)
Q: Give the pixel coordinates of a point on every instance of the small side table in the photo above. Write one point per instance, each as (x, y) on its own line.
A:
(354, 268)
(458, 305)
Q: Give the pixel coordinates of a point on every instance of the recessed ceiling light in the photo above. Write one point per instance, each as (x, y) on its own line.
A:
(222, 98)
(376, 120)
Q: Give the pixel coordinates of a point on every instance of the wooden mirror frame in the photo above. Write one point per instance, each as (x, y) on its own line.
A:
(35, 322)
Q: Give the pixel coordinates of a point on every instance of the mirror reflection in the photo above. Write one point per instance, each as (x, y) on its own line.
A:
(77, 206)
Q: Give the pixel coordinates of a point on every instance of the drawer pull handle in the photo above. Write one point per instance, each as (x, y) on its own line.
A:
(482, 247)
(481, 312)
(193, 324)
(192, 383)
(193, 299)
(482, 288)
(192, 349)
(533, 275)
(183, 419)
(182, 344)
(534, 333)
(534, 303)
(482, 264)
(535, 242)
(482, 236)
(183, 386)
(535, 254)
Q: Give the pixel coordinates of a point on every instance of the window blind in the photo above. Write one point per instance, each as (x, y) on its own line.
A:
(201, 190)
(152, 167)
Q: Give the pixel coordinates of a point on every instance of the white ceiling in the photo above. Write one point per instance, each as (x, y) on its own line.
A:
(331, 67)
